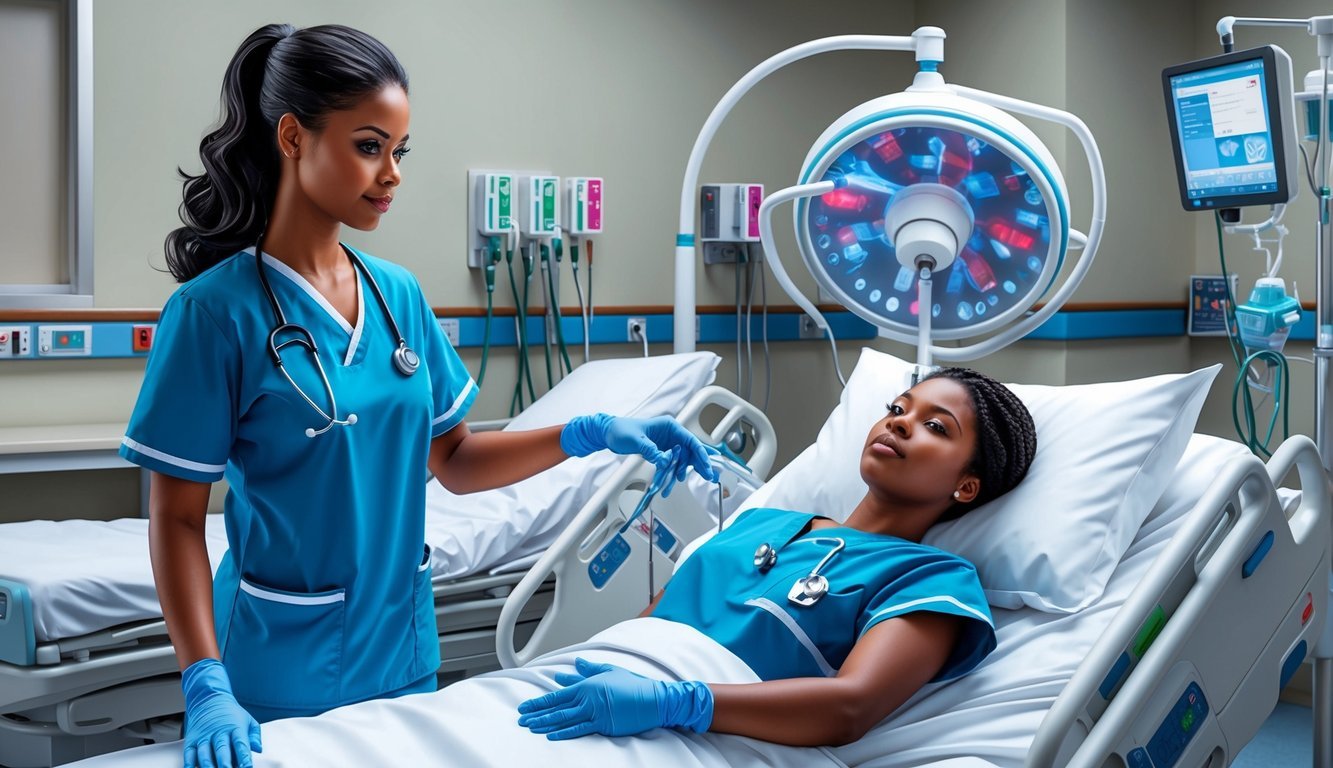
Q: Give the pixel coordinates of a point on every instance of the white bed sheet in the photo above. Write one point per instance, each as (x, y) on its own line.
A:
(987, 718)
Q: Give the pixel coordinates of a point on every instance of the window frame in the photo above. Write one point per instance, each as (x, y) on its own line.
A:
(78, 213)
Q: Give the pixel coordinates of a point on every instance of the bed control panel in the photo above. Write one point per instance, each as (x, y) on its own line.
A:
(1175, 732)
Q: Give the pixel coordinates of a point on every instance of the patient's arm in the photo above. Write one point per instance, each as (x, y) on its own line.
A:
(184, 578)
(890, 662)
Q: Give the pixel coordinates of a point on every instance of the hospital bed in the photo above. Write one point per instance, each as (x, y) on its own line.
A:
(85, 662)
(1210, 609)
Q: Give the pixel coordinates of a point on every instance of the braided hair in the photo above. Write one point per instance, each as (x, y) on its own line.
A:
(1006, 437)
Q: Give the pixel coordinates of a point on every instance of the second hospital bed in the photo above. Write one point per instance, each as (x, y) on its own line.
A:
(1219, 594)
(85, 664)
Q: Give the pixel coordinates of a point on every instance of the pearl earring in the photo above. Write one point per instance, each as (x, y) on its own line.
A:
(955, 494)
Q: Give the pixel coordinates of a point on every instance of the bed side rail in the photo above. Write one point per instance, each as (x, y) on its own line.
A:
(1193, 662)
(18, 636)
(601, 566)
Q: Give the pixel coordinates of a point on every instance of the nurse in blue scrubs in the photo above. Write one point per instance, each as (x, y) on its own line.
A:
(842, 622)
(314, 377)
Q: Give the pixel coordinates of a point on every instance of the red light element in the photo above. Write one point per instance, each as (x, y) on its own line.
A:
(886, 147)
(141, 339)
(63, 339)
(1013, 183)
(913, 307)
(1309, 609)
(955, 160)
(1006, 234)
(845, 199)
(846, 236)
(982, 275)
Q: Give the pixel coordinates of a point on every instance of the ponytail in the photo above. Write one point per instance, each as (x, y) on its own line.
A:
(277, 70)
(227, 206)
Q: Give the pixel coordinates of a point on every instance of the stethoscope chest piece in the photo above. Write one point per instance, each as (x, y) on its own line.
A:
(405, 360)
(765, 557)
(808, 589)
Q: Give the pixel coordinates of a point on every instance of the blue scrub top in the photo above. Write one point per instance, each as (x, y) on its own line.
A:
(719, 591)
(324, 596)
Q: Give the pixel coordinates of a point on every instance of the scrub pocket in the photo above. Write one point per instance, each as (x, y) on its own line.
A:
(284, 649)
(825, 632)
(423, 600)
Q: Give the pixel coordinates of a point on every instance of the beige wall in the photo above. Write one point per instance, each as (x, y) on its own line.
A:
(657, 68)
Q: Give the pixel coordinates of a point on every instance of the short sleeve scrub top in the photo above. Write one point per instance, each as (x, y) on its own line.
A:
(872, 577)
(324, 596)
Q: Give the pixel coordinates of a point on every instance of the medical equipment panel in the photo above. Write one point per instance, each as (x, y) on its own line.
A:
(581, 212)
(15, 341)
(539, 204)
(64, 340)
(1232, 129)
(729, 219)
(492, 209)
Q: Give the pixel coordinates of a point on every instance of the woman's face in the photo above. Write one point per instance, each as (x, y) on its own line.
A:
(919, 453)
(349, 168)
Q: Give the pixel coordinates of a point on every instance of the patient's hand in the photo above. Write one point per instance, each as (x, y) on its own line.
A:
(612, 701)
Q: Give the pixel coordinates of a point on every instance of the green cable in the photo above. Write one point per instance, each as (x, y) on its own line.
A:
(555, 302)
(527, 364)
(492, 258)
(546, 340)
(516, 402)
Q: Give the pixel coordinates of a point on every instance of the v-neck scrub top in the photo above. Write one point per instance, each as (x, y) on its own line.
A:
(874, 577)
(324, 595)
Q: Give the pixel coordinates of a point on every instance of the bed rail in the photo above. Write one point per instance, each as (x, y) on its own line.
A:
(602, 568)
(1193, 663)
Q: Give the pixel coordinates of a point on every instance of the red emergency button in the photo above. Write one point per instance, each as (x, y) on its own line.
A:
(63, 340)
(1309, 609)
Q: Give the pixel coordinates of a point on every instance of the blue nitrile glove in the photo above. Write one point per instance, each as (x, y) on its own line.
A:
(219, 733)
(653, 439)
(612, 701)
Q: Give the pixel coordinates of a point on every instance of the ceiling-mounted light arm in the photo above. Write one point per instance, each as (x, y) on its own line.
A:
(1092, 239)
(775, 260)
(926, 42)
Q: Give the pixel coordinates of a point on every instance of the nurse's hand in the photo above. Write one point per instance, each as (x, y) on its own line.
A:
(219, 733)
(612, 701)
(662, 441)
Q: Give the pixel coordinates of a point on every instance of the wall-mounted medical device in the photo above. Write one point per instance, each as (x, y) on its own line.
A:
(539, 204)
(492, 210)
(1232, 129)
(582, 208)
(730, 212)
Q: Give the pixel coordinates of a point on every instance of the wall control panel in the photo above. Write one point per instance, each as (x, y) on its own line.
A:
(582, 209)
(15, 341)
(64, 340)
(539, 201)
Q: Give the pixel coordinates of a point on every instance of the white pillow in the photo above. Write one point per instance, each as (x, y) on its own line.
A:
(631, 386)
(1105, 454)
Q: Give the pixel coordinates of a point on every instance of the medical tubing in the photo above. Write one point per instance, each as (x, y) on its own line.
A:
(736, 275)
(1230, 314)
(766, 239)
(592, 308)
(492, 258)
(546, 316)
(553, 277)
(768, 359)
(527, 361)
(749, 326)
(685, 252)
(520, 334)
(583, 309)
(1250, 434)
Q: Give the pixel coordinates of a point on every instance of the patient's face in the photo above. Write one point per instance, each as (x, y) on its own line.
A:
(920, 450)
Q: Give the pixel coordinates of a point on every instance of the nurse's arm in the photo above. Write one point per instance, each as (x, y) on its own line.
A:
(890, 662)
(466, 462)
(184, 579)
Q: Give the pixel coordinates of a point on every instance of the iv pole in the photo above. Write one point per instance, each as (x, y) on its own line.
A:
(1321, 28)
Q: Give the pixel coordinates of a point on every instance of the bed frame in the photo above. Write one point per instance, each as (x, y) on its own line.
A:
(76, 697)
(1187, 671)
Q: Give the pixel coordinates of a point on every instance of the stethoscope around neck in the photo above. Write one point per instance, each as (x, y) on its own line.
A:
(808, 589)
(405, 361)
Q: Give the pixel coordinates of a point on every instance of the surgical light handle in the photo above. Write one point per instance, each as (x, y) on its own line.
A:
(926, 42)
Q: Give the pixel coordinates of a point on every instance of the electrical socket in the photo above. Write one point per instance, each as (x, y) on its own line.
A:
(809, 328)
(451, 330)
(636, 329)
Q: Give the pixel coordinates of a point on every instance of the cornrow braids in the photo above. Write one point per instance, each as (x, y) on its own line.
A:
(1006, 437)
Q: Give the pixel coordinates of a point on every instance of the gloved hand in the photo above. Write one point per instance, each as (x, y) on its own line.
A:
(219, 733)
(662, 441)
(612, 701)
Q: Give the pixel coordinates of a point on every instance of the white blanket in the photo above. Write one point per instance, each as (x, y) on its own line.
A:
(475, 722)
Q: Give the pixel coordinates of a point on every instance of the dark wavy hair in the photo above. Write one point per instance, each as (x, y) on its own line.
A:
(278, 69)
(1006, 437)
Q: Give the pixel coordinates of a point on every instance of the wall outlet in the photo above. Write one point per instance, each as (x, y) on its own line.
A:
(809, 329)
(636, 329)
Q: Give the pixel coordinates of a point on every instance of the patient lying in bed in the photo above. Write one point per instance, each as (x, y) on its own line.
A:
(810, 645)
(842, 623)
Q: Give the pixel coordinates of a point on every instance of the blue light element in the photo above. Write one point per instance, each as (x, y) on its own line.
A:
(1009, 287)
(924, 162)
(935, 311)
(876, 294)
(992, 299)
(957, 275)
(936, 145)
(1001, 250)
(854, 254)
(1034, 263)
(891, 304)
(975, 145)
(964, 312)
(833, 259)
(1032, 195)
(904, 279)
(1028, 218)
(860, 284)
(982, 186)
(823, 241)
(981, 308)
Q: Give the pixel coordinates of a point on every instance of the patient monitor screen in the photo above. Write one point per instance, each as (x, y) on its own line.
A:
(1223, 112)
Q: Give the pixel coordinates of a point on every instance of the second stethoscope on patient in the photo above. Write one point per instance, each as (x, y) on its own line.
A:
(404, 359)
(808, 589)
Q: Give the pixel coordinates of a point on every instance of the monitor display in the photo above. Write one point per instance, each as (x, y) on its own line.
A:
(1230, 119)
